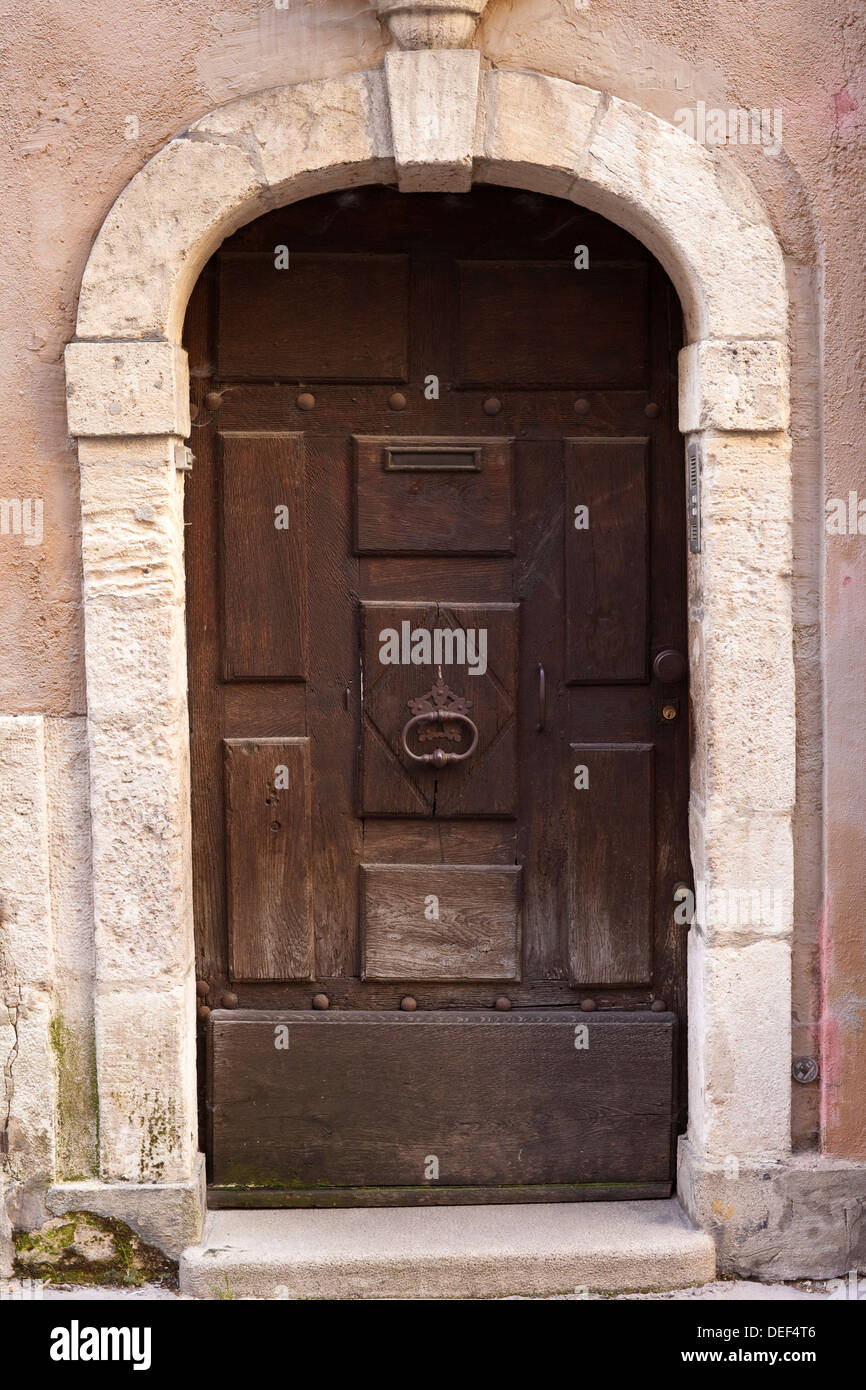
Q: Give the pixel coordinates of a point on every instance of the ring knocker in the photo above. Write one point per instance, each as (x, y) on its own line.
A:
(439, 758)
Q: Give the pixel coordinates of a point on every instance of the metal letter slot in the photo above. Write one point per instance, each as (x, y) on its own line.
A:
(432, 460)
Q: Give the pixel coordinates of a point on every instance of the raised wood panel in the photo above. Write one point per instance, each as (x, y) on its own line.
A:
(441, 922)
(325, 318)
(268, 807)
(264, 567)
(546, 324)
(606, 559)
(429, 496)
(486, 784)
(365, 1099)
(611, 841)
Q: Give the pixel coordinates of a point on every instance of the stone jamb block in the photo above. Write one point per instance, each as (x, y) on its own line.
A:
(131, 388)
(734, 386)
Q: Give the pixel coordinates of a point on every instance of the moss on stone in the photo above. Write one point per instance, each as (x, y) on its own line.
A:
(77, 1101)
(83, 1248)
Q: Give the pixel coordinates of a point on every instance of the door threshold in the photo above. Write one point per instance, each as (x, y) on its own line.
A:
(465, 1252)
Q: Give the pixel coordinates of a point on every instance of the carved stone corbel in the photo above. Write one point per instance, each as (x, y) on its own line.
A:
(415, 24)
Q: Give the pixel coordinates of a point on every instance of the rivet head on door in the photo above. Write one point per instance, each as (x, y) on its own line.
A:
(213, 400)
(581, 406)
(202, 988)
(651, 410)
(658, 1006)
(503, 1003)
(588, 1005)
(230, 1001)
(408, 1004)
(397, 401)
(321, 1001)
(306, 401)
(203, 1012)
(492, 406)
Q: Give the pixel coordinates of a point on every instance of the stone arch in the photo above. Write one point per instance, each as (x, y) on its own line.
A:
(431, 120)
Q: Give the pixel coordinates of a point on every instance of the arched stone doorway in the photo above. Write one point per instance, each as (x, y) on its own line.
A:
(128, 407)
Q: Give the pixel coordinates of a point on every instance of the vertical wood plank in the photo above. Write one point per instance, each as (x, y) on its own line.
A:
(606, 559)
(612, 857)
(264, 557)
(542, 823)
(267, 791)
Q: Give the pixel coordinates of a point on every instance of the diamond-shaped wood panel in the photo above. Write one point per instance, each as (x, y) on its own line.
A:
(399, 681)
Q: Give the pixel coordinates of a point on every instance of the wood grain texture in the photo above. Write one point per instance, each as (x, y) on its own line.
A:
(268, 858)
(559, 354)
(484, 785)
(264, 567)
(546, 323)
(611, 838)
(606, 564)
(433, 510)
(441, 922)
(499, 1099)
(328, 317)
(256, 1198)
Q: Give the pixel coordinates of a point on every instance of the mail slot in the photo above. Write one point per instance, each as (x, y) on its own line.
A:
(433, 496)
(425, 460)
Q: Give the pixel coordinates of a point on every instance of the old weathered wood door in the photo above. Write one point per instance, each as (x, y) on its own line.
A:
(435, 550)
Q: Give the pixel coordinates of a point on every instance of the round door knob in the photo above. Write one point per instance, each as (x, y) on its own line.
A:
(669, 666)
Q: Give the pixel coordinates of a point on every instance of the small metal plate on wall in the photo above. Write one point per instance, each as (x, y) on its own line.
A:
(804, 1070)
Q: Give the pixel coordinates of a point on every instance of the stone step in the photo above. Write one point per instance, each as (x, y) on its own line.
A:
(447, 1252)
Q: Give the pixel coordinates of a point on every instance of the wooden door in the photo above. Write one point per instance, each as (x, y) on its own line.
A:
(436, 531)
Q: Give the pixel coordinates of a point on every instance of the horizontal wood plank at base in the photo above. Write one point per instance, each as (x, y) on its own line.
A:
(227, 1198)
(362, 1099)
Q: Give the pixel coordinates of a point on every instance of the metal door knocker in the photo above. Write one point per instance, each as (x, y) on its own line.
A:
(435, 715)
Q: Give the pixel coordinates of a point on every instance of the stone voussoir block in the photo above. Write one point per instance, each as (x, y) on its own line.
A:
(535, 131)
(159, 234)
(310, 137)
(433, 100)
(669, 190)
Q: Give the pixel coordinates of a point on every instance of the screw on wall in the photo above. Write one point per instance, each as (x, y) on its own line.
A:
(804, 1070)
